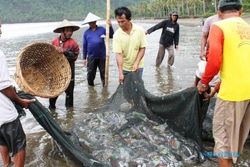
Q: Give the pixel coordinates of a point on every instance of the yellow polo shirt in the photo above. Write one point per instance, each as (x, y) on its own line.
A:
(129, 44)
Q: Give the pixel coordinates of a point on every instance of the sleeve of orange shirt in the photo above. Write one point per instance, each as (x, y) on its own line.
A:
(214, 56)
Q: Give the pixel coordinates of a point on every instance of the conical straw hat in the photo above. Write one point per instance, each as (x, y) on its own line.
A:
(65, 23)
(90, 18)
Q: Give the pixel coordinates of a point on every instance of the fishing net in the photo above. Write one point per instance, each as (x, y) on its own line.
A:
(134, 128)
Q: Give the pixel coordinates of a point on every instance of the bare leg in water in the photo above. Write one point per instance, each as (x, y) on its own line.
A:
(19, 158)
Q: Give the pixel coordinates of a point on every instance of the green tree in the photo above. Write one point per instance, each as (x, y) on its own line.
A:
(13, 11)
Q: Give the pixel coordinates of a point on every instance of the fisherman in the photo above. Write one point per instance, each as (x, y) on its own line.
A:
(215, 83)
(169, 38)
(12, 136)
(205, 32)
(228, 53)
(129, 44)
(69, 47)
(94, 50)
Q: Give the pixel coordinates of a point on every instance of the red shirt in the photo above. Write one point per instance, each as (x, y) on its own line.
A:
(68, 45)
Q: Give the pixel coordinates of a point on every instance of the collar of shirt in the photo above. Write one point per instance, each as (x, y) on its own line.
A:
(132, 30)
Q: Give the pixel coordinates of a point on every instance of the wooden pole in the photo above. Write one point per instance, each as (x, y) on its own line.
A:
(107, 44)
(215, 6)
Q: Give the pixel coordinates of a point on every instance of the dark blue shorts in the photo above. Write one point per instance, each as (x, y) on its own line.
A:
(13, 137)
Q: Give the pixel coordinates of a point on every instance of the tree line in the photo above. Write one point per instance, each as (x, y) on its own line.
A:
(15, 11)
(186, 8)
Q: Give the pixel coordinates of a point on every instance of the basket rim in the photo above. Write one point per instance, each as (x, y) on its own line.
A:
(22, 83)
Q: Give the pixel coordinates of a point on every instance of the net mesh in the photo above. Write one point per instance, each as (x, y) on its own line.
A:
(135, 128)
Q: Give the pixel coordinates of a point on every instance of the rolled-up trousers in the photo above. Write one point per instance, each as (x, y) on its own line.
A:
(161, 54)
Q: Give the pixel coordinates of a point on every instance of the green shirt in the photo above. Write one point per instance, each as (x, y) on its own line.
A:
(129, 44)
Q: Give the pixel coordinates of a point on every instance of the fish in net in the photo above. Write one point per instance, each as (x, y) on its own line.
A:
(134, 128)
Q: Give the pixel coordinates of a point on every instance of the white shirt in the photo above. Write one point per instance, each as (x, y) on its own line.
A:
(8, 112)
(201, 70)
(209, 21)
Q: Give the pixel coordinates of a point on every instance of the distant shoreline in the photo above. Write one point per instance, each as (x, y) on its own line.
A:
(197, 21)
(181, 21)
(186, 21)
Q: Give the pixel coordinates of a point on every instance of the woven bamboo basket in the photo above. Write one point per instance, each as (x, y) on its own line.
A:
(42, 71)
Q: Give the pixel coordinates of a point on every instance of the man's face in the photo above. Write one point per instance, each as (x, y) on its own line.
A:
(92, 24)
(68, 31)
(122, 21)
(174, 17)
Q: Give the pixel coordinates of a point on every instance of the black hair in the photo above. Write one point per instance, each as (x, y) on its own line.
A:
(230, 8)
(123, 11)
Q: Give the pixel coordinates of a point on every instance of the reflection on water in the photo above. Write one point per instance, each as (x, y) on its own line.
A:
(42, 151)
(165, 79)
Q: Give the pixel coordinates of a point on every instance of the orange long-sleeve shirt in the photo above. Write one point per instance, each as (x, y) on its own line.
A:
(228, 52)
(215, 54)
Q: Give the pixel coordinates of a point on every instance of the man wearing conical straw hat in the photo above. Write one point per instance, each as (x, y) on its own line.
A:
(12, 136)
(69, 47)
(94, 50)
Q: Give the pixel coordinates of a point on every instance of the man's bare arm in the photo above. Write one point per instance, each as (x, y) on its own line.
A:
(139, 56)
(119, 61)
(203, 45)
(10, 92)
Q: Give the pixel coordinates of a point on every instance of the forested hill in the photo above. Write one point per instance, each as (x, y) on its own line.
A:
(13, 11)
